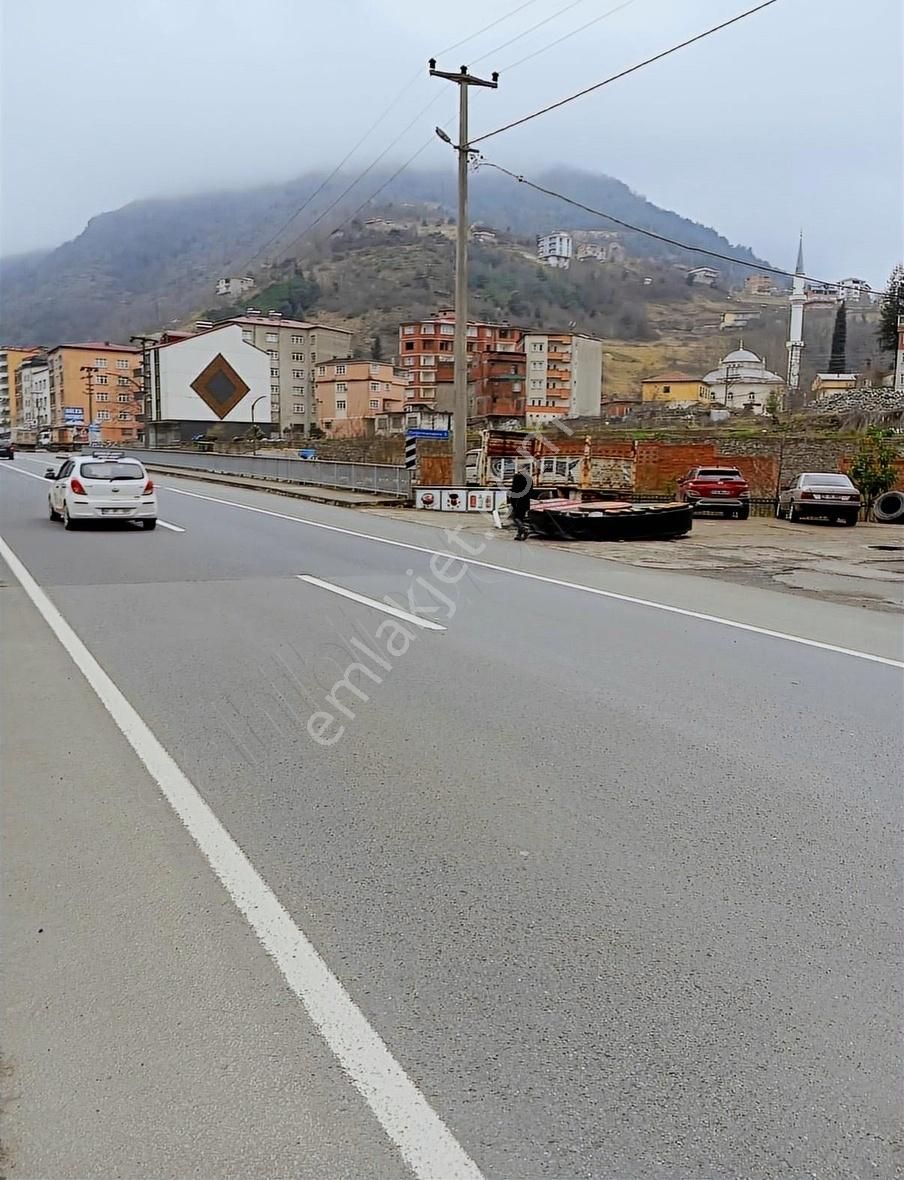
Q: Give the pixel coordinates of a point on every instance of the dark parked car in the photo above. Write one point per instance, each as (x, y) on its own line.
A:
(7, 450)
(820, 493)
(716, 489)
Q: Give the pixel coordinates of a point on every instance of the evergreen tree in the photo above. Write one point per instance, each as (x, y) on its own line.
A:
(892, 306)
(838, 356)
(376, 349)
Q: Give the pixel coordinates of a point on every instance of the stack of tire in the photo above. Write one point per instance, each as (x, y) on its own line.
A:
(889, 508)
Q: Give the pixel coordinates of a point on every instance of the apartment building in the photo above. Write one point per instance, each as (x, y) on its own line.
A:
(32, 414)
(425, 346)
(10, 360)
(294, 348)
(564, 375)
(555, 249)
(351, 394)
(99, 378)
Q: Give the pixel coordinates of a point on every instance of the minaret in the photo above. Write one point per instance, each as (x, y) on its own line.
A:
(797, 300)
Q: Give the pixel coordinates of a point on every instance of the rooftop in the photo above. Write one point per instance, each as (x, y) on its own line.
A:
(98, 346)
(673, 375)
(281, 322)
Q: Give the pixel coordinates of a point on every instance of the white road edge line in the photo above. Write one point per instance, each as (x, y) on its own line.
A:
(164, 524)
(425, 1142)
(22, 471)
(504, 569)
(427, 624)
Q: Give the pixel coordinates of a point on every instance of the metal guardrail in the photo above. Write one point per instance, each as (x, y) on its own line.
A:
(325, 473)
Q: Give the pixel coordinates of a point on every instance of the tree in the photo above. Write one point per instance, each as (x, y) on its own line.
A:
(838, 355)
(891, 308)
(376, 349)
(873, 469)
(773, 405)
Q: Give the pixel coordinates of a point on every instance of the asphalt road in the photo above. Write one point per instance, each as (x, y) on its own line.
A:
(615, 883)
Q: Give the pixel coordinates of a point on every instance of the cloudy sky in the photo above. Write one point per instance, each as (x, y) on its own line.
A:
(790, 118)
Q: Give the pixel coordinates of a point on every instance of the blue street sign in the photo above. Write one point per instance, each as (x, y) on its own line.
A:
(73, 415)
(441, 434)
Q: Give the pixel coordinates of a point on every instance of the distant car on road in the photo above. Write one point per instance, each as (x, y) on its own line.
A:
(820, 493)
(716, 489)
(102, 486)
(7, 450)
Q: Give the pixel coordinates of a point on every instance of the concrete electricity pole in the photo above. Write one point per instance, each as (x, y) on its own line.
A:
(464, 80)
(90, 370)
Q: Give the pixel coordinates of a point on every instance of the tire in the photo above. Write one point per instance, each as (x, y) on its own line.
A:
(149, 524)
(793, 514)
(889, 508)
(779, 512)
(54, 515)
(850, 519)
(68, 523)
(744, 512)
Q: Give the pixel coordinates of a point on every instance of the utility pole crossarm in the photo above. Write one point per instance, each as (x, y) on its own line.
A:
(464, 81)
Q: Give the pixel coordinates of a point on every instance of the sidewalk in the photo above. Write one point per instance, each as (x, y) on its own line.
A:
(338, 496)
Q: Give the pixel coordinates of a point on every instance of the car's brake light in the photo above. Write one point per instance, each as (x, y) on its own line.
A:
(808, 495)
(77, 487)
(148, 488)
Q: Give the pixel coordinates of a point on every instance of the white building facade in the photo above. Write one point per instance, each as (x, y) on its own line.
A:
(212, 380)
(32, 399)
(555, 249)
(742, 382)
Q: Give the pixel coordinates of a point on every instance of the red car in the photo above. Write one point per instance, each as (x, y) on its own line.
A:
(716, 489)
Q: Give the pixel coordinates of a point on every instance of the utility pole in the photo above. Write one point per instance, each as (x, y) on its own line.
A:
(90, 370)
(464, 81)
(144, 343)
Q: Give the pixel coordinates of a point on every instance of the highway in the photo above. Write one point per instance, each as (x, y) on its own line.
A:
(330, 855)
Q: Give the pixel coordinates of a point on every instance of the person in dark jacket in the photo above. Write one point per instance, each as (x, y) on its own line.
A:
(519, 502)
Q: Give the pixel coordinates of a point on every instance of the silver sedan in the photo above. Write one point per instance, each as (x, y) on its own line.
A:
(819, 493)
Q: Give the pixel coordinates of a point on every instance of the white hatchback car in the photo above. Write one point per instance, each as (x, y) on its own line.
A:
(102, 486)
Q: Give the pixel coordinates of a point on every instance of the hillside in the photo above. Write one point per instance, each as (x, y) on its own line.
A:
(153, 262)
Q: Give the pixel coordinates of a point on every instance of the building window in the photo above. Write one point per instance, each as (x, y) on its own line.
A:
(537, 346)
(444, 346)
(386, 386)
(297, 356)
(536, 383)
(341, 387)
(374, 386)
(123, 397)
(427, 329)
(100, 397)
(536, 364)
(409, 346)
(374, 403)
(272, 337)
(124, 416)
(297, 407)
(407, 360)
(428, 359)
(340, 369)
(101, 379)
(298, 374)
(103, 415)
(473, 331)
(274, 372)
(122, 381)
(447, 329)
(666, 389)
(297, 340)
(100, 362)
(248, 336)
(274, 389)
(340, 403)
(408, 330)
(122, 364)
(272, 354)
(321, 370)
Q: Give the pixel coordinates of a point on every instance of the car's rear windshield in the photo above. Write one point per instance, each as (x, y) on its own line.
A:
(832, 481)
(112, 471)
(719, 473)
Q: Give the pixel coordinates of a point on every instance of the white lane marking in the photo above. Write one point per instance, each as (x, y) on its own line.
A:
(427, 624)
(22, 471)
(425, 1142)
(164, 524)
(504, 569)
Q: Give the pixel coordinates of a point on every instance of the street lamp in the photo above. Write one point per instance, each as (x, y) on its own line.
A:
(253, 427)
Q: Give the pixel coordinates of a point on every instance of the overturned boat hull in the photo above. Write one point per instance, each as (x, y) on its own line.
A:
(572, 520)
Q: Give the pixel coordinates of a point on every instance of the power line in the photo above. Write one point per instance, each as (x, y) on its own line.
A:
(761, 268)
(486, 28)
(527, 32)
(624, 73)
(580, 29)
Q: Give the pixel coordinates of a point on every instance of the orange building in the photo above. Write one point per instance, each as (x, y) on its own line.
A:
(102, 379)
(350, 393)
(10, 360)
(425, 344)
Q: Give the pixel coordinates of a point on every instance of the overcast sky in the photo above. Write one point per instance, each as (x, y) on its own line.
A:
(789, 119)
